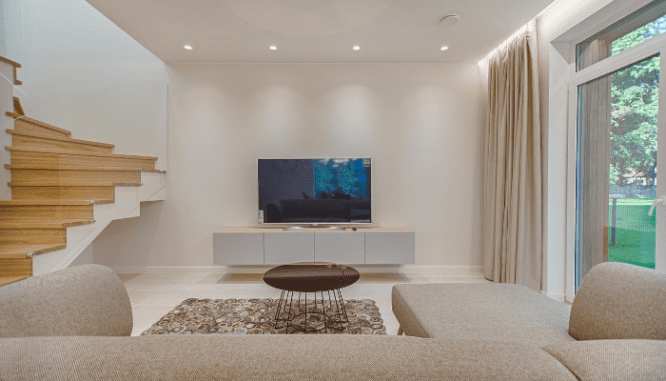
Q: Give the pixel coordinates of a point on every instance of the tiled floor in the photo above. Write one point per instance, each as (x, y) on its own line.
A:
(153, 295)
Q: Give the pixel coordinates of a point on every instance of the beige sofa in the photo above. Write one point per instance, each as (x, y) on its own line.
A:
(615, 328)
(74, 325)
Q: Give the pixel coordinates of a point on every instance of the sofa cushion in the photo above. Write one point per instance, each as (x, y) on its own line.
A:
(272, 357)
(609, 360)
(78, 301)
(620, 301)
(482, 311)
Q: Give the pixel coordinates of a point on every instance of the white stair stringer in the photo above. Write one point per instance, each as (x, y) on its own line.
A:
(126, 205)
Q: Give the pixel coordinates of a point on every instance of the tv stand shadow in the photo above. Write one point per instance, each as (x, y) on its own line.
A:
(315, 226)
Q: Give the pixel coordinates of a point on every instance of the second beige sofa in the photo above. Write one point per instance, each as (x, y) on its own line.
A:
(615, 328)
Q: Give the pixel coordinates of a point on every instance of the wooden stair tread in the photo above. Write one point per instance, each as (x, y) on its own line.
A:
(15, 65)
(7, 60)
(43, 202)
(8, 280)
(18, 255)
(91, 168)
(18, 109)
(69, 168)
(75, 153)
(79, 168)
(43, 224)
(60, 139)
(16, 115)
(54, 202)
(66, 184)
(14, 251)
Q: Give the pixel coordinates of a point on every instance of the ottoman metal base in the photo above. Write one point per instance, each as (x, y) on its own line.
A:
(311, 315)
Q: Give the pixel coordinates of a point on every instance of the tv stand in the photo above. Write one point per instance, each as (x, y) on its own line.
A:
(277, 245)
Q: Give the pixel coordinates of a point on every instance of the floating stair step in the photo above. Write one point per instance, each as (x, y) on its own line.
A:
(44, 202)
(27, 125)
(11, 255)
(88, 183)
(76, 153)
(94, 168)
(34, 140)
(99, 194)
(59, 158)
(122, 176)
(10, 251)
(34, 240)
(11, 266)
(100, 168)
(18, 109)
(48, 212)
(23, 236)
(9, 280)
(32, 232)
(16, 65)
(43, 224)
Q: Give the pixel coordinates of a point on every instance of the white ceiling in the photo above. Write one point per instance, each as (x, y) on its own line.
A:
(319, 30)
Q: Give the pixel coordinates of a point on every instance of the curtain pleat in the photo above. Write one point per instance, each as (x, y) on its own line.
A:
(513, 194)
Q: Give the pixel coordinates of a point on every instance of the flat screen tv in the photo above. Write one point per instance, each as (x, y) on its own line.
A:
(315, 191)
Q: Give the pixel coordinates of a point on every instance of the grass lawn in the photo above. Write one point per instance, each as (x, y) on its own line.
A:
(634, 232)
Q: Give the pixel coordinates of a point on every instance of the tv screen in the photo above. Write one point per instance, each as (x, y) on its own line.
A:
(314, 191)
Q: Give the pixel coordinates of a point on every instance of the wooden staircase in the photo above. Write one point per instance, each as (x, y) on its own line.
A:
(56, 183)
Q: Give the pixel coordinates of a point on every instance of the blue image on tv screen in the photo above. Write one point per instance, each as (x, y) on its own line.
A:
(315, 190)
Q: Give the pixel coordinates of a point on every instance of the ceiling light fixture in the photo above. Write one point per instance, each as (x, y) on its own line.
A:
(273, 47)
(356, 47)
(187, 47)
(443, 48)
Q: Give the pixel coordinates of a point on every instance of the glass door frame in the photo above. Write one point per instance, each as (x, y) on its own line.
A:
(647, 49)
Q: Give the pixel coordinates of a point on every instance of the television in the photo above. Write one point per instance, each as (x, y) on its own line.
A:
(315, 191)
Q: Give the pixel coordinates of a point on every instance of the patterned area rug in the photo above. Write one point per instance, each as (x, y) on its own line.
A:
(255, 316)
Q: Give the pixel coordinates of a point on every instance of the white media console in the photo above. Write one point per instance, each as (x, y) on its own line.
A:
(274, 246)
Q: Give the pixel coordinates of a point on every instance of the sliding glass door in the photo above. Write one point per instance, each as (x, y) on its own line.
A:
(616, 126)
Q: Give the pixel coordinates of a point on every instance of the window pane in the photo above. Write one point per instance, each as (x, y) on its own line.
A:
(616, 168)
(641, 25)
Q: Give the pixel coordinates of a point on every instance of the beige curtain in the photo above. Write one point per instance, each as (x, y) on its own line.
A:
(594, 123)
(513, 197)
(593, 166)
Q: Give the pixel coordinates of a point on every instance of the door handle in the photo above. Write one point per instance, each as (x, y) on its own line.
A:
(659, 200)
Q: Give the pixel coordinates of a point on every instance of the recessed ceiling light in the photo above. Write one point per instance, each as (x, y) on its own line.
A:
(356, 47)
(187, 47)
(449, 20)
(443, 48)
(273, 47)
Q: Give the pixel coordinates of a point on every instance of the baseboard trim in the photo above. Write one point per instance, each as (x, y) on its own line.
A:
(445, 271)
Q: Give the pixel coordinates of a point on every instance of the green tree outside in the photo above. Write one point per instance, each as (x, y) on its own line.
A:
(635, 101)
(633, 138)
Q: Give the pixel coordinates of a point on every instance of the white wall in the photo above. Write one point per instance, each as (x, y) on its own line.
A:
(83, 73)
(85, 258)
(422, 124)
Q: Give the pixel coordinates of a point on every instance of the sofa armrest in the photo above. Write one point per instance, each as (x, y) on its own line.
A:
(620, 301)
(86, 300)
